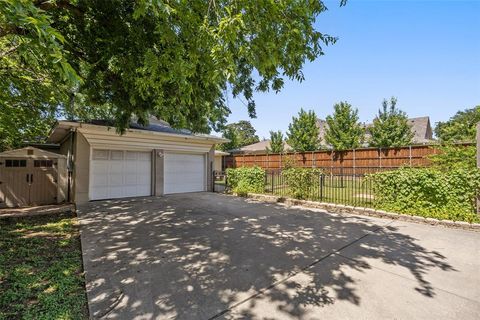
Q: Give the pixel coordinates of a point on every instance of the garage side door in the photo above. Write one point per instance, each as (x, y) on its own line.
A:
(120, 174)
(184, 173)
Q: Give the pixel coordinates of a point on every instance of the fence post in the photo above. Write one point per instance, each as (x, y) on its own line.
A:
(410, 155)
(213, 180)
(354, 163)
(265, 181)
(321, 186)
(273, 177)
(341, 176)
(226, 182)
(478, 163)
(380, 157)
(331, 162)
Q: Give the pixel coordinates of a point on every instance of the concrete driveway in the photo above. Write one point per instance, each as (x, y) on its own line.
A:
(209, 256)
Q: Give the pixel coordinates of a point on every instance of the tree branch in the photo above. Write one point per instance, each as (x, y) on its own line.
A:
(12, 30)
(62, 4)
(9, 51)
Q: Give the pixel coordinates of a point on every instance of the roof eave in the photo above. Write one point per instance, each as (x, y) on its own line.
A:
(75, 125)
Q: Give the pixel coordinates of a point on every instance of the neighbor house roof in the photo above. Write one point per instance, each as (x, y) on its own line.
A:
(259, 147)
(221, 153)
(62, 128)
(421, 128)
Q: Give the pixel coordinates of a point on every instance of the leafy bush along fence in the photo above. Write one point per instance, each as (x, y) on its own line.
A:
(427, 192)
(301, 182)
(244, 180)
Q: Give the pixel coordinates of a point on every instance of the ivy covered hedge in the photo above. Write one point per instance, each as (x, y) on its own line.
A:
(246, 179)
(301, 181)
(428, 192)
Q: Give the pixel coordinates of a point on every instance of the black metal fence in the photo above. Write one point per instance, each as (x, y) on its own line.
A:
(219, 181)
(341, 188)
(346, 188)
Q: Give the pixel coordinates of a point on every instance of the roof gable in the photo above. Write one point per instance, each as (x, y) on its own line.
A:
(36, 153)
(421, 128)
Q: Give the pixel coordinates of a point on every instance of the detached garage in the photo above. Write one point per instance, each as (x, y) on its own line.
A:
(152, 160)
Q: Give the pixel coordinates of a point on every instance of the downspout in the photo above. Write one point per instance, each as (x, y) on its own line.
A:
(70, 165)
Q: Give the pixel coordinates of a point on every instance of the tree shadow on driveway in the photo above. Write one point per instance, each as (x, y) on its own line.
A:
(199, 256)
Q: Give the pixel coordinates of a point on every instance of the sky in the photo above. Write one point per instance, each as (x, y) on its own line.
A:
(425, 53)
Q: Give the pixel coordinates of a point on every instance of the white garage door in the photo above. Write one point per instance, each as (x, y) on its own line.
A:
(119, 174)
(184, 172)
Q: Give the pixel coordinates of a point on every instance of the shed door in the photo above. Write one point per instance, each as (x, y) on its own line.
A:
(120, 174)
(14, 186)
(43, 182)
(184, 172)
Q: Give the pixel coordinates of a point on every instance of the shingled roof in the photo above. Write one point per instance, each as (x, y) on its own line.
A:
(422, 129)
(259, 147)
(155, 126)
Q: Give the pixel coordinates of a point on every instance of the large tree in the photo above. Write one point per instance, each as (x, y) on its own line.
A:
(303, 133)
(29, 125)
(246, 133)
(277, 142)
(390, 127)
(34, 74)
(37, 82)
(177, 60)
(240, 134)
(344, 131)
(230, 134)
(460, 127)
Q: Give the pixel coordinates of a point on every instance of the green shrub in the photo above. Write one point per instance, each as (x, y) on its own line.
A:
(243, 188)
(289, 162)
(301, 181)
(428, 192)
(246, 179)
(458, 156)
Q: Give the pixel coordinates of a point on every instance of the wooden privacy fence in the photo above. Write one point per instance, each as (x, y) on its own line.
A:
(359, 161)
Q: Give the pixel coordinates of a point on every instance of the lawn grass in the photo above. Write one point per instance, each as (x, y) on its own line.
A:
(41, 272)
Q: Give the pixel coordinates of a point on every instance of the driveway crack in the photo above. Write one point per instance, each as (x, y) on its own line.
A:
(295, 273)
